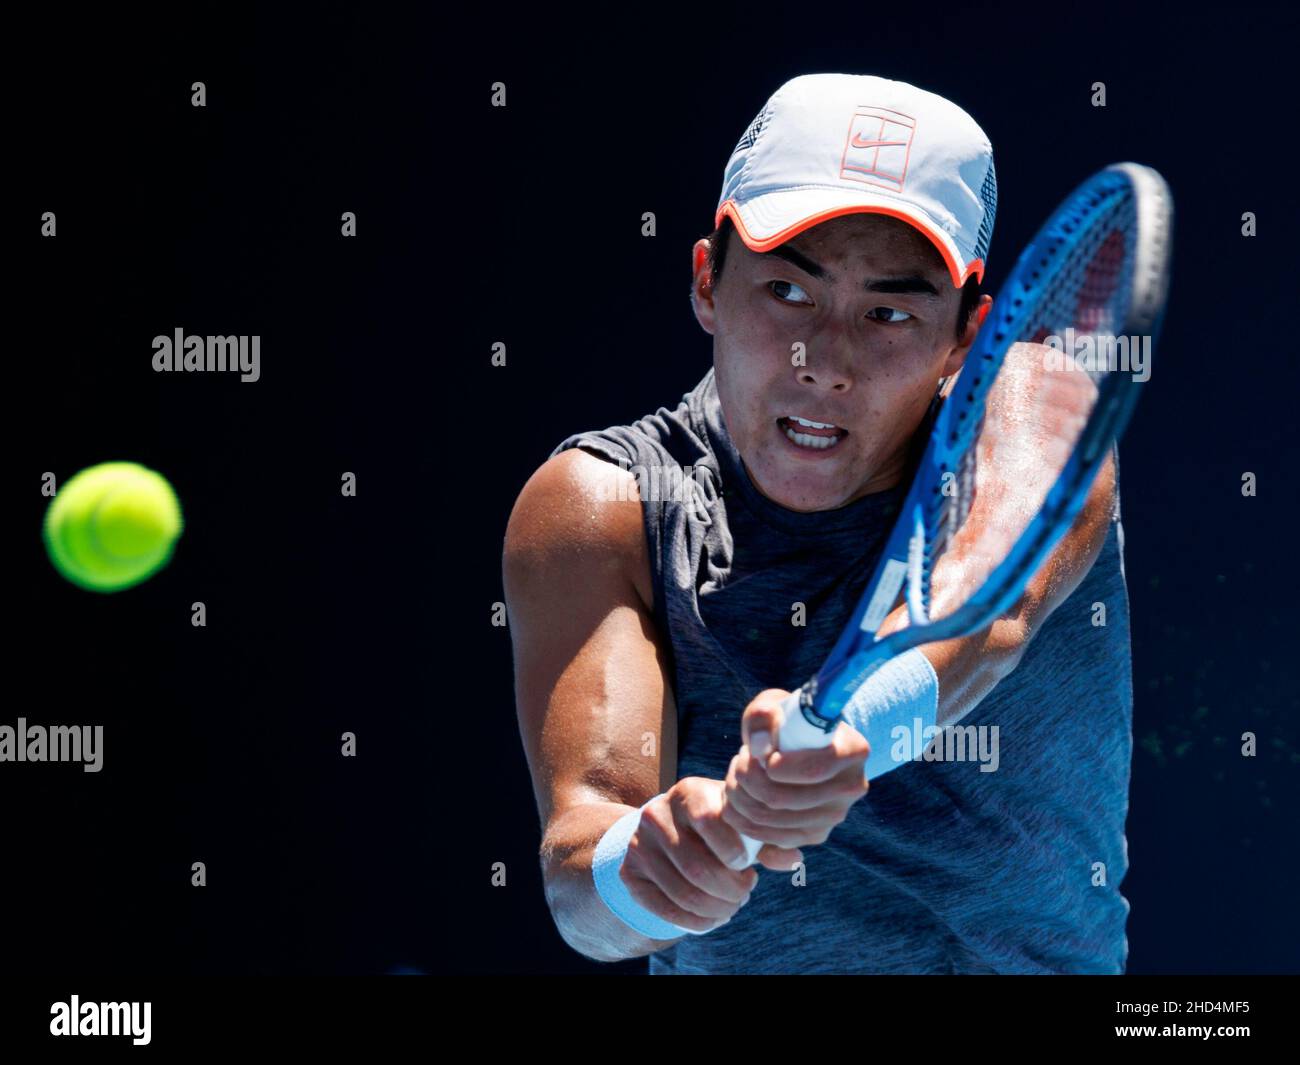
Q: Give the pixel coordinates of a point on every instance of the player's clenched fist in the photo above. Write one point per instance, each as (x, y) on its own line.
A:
(791, 798)
(678, 859)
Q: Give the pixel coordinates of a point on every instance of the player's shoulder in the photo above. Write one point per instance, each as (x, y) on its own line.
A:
(579, 515)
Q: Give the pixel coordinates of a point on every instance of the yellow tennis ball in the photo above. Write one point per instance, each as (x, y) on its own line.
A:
(112, 526)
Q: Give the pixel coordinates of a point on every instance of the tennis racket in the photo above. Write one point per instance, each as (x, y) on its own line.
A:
(1096, 273)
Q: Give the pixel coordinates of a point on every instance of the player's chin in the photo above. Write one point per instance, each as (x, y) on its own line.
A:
(799, 481)
(799, 495)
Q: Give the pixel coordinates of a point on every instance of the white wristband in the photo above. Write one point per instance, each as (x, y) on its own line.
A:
(903, 694)
(605, 866)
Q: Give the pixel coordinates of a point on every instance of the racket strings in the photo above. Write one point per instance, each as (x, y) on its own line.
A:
(955, 496)
(1090, 295)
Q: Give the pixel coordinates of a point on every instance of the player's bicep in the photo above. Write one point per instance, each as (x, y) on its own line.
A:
(595, 708)
(1017, 465)
(1028, 454)
(1071, 559)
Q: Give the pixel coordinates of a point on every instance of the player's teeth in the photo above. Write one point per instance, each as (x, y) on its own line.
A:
(811, 425)
(820, 443)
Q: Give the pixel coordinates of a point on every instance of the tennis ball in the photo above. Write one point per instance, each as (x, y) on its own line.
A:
(111, 526)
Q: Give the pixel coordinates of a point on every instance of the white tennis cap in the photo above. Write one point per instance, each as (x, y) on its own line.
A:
(832, 144)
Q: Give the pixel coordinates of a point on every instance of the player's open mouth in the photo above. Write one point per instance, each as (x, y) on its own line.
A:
(816, 436)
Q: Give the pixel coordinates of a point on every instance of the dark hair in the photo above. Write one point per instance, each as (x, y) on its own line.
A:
(970, 292)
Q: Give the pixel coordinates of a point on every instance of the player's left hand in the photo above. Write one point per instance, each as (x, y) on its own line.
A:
(791, 798)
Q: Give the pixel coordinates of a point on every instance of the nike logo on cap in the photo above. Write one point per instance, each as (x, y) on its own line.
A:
(856, 143)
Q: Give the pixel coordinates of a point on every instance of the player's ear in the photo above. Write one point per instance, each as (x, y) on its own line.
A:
(702, 286)
(958, 354)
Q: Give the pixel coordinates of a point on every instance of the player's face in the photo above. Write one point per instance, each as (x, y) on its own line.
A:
(847, 326)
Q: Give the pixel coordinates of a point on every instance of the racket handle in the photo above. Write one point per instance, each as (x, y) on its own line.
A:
(797, 734)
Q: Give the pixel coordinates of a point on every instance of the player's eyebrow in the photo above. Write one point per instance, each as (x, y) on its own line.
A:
(911, 285)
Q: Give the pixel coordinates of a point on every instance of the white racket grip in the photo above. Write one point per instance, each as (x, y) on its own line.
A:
(797, 734)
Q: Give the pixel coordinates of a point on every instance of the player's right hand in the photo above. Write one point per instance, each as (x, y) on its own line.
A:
(676, 864)
(791, 798)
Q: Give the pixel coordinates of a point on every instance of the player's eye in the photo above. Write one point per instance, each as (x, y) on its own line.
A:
(888, 314)
(782, 289)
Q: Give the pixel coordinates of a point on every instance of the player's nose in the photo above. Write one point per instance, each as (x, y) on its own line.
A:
(825, 374)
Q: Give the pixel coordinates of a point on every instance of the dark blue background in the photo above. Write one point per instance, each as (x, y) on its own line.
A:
(522, 225)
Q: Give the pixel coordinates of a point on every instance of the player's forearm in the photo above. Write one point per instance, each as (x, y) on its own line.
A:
(971, 667)
(583, 919)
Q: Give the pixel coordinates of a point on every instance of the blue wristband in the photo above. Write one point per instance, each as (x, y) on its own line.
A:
(901, 694)
(605, 866)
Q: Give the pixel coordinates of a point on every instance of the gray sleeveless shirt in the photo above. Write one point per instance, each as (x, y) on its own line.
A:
(942, 867)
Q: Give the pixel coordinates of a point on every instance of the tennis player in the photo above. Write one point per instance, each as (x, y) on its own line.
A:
(669, 580)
